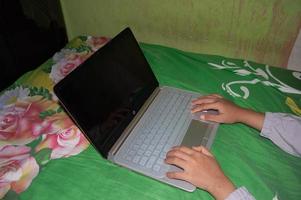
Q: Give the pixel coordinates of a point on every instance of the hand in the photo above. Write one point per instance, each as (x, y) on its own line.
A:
(228, 111)
(200, 169)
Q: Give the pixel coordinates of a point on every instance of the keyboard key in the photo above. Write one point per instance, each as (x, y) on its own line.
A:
(151, 162)
(144, 146)
(163, 155)
(156, 153)
(156, 168)
(148, 153)
(136, 159)
(160, 161)
(143, 161)
(140, 152)
(151, 148)
(131, 153)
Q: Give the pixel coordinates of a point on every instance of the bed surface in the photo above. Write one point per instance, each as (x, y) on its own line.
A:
(44, 156)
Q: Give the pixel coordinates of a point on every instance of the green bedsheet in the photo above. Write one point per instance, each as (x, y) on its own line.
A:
(44, 156)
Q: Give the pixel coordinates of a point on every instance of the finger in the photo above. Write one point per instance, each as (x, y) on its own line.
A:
(184, 149)
(203, 101)
(212, 95)
(177, 175)
(206, 106)
(207, 99)
(179, 154)
(176, 161)
(218, 96)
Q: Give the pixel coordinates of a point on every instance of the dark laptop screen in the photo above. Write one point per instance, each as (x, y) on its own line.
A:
(106, 91)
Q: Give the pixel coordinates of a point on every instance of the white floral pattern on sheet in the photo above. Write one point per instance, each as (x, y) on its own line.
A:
(265, 77)
(297, 75)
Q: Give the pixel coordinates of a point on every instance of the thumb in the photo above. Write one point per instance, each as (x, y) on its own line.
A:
(210, 117)
(203, 150)
(198, 148)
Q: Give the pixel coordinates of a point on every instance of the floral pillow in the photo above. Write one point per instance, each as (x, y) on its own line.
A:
(34, 129)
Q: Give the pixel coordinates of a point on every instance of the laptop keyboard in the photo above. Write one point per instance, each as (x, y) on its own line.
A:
(161, 127)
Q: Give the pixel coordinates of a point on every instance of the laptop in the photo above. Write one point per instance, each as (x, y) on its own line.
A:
(131, 120)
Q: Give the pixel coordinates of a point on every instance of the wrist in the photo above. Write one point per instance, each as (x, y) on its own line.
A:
(251, 118)
(222, 189)
(244, 115)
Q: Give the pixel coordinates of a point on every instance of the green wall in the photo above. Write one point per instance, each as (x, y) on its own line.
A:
(258, 30)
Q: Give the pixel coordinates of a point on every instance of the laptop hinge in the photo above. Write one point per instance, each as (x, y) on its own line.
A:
(133, 123)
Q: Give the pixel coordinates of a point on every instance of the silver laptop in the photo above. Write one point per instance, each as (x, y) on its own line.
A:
(115, 99)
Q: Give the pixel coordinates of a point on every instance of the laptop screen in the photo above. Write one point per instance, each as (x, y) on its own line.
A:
(105, 92)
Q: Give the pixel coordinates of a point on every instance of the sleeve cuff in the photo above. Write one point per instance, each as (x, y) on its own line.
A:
(268, 122)
(240, 194)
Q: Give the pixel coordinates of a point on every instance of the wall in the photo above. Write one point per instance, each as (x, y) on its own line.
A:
(294, 61)
(258, 30)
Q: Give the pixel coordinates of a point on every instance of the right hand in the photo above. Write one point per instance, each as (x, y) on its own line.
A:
(228, 111)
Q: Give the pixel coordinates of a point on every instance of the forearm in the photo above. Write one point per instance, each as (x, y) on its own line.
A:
(251, 118)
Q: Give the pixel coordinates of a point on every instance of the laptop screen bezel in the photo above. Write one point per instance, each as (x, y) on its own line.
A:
(61, 86)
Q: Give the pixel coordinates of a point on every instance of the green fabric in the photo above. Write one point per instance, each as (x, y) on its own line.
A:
(248, 159)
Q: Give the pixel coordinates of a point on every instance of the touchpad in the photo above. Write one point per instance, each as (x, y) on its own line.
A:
(196, 131)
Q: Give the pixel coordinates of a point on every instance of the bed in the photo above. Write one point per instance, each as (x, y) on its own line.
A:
(44, 156)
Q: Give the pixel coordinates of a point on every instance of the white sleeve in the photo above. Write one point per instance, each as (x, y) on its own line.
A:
(240, 194)
(284, 130)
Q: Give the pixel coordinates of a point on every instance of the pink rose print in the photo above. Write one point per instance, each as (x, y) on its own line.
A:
(66, 141)
(67, 60)
(17, 169)
(96, 42)
(66, 65)
(20, 122)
